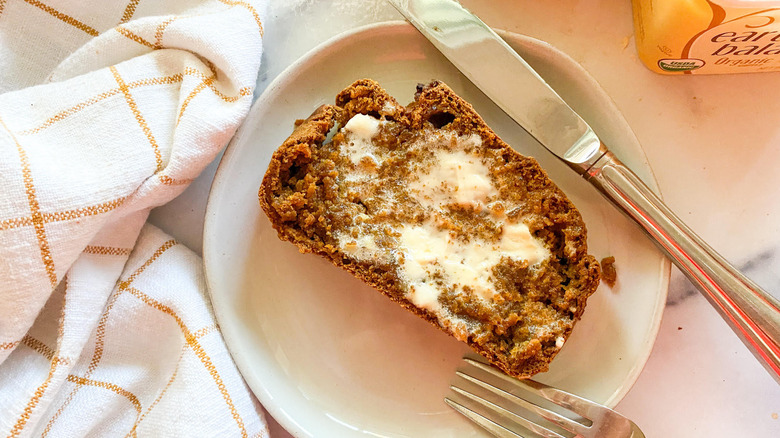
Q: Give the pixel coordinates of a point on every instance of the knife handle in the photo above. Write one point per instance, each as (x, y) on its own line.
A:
(752, 313)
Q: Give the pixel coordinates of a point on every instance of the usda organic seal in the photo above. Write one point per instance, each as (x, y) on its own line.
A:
(685, 64)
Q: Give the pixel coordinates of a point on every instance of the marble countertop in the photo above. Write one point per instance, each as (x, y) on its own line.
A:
(713, 143)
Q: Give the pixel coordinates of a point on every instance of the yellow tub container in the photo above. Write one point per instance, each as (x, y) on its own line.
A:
(708, 37)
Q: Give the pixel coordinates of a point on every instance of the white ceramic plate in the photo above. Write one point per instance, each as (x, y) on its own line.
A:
(329, 356)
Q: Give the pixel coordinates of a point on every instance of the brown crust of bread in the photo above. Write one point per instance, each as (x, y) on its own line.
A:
(433, 100)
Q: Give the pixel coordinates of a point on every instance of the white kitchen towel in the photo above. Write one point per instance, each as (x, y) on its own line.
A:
(107, 109)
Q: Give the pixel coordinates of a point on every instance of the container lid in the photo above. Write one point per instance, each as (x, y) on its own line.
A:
(748, 3)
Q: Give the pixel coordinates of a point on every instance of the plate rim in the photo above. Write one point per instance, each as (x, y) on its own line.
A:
(281, 415)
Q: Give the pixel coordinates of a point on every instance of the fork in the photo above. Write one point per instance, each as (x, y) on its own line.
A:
(511, 405)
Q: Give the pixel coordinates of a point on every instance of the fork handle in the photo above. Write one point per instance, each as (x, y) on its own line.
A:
(752, 313)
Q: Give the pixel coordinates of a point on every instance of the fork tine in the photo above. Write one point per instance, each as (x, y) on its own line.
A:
(547, 414)
(603, 420)
(487, 424)
(562, 398)
(492, 407)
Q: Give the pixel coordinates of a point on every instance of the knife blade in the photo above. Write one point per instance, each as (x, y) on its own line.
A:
(507, 79)
(476, 50)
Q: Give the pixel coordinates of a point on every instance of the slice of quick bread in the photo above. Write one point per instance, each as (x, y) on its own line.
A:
(427, 205)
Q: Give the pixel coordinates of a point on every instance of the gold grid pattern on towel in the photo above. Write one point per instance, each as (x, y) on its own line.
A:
(123, 285)
(33, 402)
(35, 210)
(38, 220)
(158, 34)
(198, 88)
(55, 361)
(134, 36)
(9, 345)
(129, 11)
(242, 92)
(164, 80)
(250, 8)
(171, 379)
(100, 332)
(168, 181)
(111, 387)
(191, 341)
(90, 210)
(138, 117)
(7, 224)
(107, 250)
(63, 17)
(186, 346)
(61, 115)
(200, 352)
(126, 16)
(79, 381)
(66, 215)
(45, 350)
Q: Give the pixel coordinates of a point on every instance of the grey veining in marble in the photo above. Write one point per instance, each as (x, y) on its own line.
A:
(761, 268)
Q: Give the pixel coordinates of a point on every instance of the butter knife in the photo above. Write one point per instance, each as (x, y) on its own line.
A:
(496, 69)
